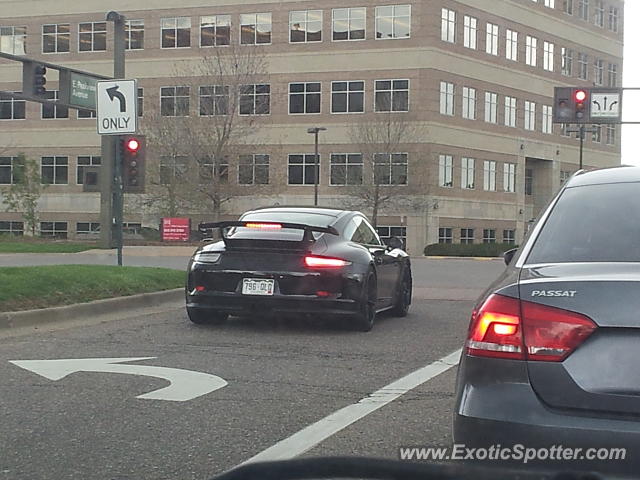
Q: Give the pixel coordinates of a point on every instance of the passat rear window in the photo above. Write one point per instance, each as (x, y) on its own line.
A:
(593, 223)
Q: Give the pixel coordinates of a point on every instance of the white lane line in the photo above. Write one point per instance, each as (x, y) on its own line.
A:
(310, 436)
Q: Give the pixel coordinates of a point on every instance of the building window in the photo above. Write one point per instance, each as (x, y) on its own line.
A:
(528, 181)
(568, 7)
(583, 66)
(13, 40)
(131, 228)
(596, 135)
(488, 235)
(531, 51)
(392, 96)
(54, 170)
(469, 103)
(213, 171)
(140, 100)
(134, 34)
(598, 17)
(255, 99)
(529, 115)
(547, 119)
(490, 176)
(468, 173)
(172, 169)
(390, 169)
(448, 29)
(304, 98)
(547, 61)
(346, 169)
(509, 178)
(215, 30)
(83, 162)
(611, 134)
(12, 228)
(255, 29)
(491, 107)
(349, 24)
(564, 176)
(174, 101)
(87, 228)
(583, 9)
(512, 45)
(446, 98)
(470, 33)
(51, 110)
(11, 108)
(466, 235)
(214, 100)
(445, 171)
(253, 170)
(53, 229)
(509, 236)
(176, 32)
(302, 169)
(305, 26)
(347, 97)
(613, 75)
(550, 3)
(492, 39)
(445, 235)
(55, 38)
(387, 232)
(82, 114)
(510, 111)
(393, 21)
(613, 19)
(92, 36)
(567, 61)
(598, 71)
(10, 170)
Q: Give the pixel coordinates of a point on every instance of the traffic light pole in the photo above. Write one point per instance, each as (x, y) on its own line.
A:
(113, 156)
(581, 131)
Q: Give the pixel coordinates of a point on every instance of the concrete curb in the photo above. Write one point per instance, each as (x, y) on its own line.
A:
(29, 318)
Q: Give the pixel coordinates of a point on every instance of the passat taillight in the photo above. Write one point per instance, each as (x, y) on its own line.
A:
(315, 261)
(504, 327)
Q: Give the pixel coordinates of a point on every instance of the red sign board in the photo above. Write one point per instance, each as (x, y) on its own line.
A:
(176, 229)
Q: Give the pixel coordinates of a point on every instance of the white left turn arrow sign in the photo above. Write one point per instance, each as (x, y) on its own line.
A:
(185, 384)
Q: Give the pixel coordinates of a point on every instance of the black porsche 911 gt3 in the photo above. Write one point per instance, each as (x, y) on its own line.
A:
(298, 260)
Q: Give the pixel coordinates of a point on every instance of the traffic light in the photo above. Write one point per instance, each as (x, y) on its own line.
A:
(580, 98)
(133, 153)
(34, 79)
(572, 105)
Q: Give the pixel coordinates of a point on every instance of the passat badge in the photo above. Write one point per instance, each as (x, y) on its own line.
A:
(554, 293)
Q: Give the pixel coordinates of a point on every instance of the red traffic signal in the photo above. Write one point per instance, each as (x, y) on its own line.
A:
(133, 145)
(580, 96)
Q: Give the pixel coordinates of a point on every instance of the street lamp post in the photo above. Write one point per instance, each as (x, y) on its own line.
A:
(316, 162)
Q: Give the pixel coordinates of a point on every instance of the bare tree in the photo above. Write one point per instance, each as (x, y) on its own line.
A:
(197, 152)
(383, 141)
(25, 191)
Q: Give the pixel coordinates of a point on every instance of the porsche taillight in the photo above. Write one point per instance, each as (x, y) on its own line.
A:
(315, 261)
(505, 327)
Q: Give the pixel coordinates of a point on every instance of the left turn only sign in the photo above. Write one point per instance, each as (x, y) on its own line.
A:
(117, 107)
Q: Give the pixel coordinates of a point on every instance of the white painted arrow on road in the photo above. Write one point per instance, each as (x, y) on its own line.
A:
(185, 384)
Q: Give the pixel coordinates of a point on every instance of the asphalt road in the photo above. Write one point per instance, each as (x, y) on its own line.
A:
(282, 377)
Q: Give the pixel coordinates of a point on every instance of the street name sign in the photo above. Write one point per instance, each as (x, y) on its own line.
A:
(117, 107)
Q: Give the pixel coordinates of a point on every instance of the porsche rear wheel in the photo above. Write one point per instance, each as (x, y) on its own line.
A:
(366, 316)
(206, 317)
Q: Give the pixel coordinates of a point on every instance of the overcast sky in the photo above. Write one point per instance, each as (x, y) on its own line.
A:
(631, 133)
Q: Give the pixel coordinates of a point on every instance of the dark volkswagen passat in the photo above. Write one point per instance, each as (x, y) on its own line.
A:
(552, 354)
(298, 260)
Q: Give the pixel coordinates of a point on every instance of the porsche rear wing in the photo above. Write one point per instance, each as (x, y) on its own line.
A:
(206, 229)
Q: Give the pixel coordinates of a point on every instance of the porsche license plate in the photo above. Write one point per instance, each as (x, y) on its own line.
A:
(254, 286)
